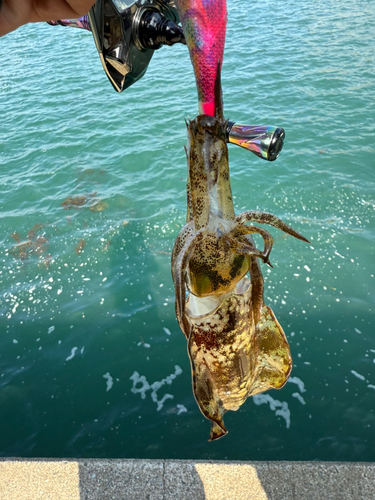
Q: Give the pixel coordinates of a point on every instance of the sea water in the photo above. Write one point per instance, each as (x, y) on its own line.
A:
(93, 195)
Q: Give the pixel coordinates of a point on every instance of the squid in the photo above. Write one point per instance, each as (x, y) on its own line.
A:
(236, 346)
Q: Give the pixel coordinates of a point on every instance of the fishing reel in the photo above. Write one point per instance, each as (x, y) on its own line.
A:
(126, 34)
(265, 141)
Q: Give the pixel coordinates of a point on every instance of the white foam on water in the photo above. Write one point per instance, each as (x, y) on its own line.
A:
(370, 386)
(181, 409)
(299, 397)
(147, 346)
(139, 379)
(154, 387)
(163, 399)
(166, 330)
(50, 329)
(279, 407)
(72, 354)
(338, 254)
(358, 375)
(297, 381)
(109, 381)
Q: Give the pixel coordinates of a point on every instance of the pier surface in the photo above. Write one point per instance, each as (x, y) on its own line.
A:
(126, 479)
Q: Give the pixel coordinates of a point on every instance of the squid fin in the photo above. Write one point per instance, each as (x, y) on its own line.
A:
(217, 431)
(274, 362)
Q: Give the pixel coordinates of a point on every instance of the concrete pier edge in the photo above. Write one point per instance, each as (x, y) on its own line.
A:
(123, 479)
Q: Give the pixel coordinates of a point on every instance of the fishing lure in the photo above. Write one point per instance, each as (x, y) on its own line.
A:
(204, 24)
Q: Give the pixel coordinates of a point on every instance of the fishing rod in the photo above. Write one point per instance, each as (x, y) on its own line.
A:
(126, 35)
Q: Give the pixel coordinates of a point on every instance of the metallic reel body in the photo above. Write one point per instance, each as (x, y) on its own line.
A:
(127, 32)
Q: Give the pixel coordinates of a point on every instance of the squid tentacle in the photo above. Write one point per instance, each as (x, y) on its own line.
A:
(257, 289)
(244, 249)
(179, 271)
(249, 248)
(241, 248)
(272, 220)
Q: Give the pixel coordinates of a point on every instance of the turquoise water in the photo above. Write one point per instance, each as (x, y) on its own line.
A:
(87, 300)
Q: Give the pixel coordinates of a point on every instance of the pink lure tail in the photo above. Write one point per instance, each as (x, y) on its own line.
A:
(204, 24)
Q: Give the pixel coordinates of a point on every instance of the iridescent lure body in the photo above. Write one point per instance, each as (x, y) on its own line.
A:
(204, 23)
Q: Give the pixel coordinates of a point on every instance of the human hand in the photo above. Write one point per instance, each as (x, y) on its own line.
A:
(15, 13)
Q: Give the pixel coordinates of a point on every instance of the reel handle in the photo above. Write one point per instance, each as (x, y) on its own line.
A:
(265, 141)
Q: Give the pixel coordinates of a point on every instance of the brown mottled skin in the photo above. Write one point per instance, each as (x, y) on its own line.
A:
(238, 349)
(232, 358)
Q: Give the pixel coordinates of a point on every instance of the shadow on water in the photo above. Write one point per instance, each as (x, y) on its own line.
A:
(87, 368)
